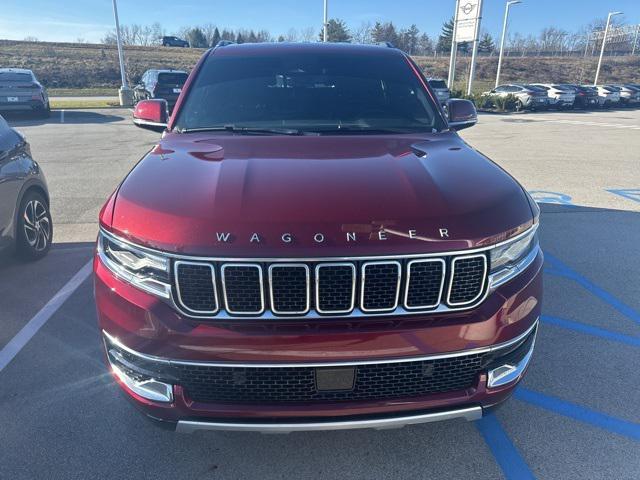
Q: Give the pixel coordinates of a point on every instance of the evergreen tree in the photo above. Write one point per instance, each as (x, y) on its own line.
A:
(446, 37)
(337, 31)
(385, 32)
(486, 44)
(196, 38)
(239, 38)
(215, 38)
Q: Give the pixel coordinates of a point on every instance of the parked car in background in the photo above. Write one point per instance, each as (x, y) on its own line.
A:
(20, 91)
(584, 97)
(25, 219)
(610, 95)
(526, 98)
(601, 98)
(629, 95)
(557, 96)
(441, 90)
(164, 84)
(171, 41)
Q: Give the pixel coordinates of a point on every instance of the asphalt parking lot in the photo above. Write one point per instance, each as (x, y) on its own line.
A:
(575, 416)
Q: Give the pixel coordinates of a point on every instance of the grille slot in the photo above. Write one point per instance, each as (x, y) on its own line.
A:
(335, 287)
(380, 286)
(467, 281)
(289, 288)
(425, 281)
(196, 286)
(243, 288)
(298, 384)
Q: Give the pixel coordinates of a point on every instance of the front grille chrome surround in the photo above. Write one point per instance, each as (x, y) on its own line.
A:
(363, 286)
(410, 264)
(225, 292)
(216, 302)
(264, 311)
(277, 266)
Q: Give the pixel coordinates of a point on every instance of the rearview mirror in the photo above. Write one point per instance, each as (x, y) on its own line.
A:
(151, 114)
(462, 114)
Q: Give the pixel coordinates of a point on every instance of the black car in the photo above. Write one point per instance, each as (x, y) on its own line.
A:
(174, 42)
(165, 84)
(25, 219)
(585, 97)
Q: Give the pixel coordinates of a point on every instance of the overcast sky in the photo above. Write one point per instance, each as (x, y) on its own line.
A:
(68, 20)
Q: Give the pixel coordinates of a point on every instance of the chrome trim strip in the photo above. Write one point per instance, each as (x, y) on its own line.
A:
(453, 274)
(140, 121)
(468, 413)
(362, 286)
(406, 290)
(353, 287)
(224, 287)
(460, 353)
(355, 258)
(510, 373)
(308, 284)
(213, 284)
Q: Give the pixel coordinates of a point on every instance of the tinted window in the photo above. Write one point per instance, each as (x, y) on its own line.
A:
(319, 92)
(437, 84)
(176, 78)
(12, 77)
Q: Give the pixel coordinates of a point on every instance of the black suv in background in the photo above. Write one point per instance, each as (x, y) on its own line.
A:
(25, 221)
(164, 84)
(174, 42)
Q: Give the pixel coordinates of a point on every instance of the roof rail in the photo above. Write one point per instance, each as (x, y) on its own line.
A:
(387, 44)
(224, 43)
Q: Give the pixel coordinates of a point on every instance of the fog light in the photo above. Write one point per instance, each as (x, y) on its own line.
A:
(148, 388)
(510, 371)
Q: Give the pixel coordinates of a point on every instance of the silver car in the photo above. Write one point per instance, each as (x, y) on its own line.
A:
(526, 98)
(21, 91)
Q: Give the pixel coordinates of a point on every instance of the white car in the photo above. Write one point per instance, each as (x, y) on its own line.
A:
(558, 96)
(610, 95)
(526, 98)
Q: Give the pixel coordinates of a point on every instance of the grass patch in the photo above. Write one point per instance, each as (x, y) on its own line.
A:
(83, 92)
(83, 103)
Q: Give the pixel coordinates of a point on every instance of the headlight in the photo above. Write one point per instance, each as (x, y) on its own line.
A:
(512, 257)
(148, 272)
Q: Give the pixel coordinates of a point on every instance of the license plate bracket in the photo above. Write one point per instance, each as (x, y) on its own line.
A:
(330, 379)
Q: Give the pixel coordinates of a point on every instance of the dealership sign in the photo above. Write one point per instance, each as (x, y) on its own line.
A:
(468, 16)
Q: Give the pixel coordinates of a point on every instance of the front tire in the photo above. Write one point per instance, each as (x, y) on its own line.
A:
(35, 227)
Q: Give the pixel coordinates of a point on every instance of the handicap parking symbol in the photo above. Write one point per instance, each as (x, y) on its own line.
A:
(542, 196)
(630, 193)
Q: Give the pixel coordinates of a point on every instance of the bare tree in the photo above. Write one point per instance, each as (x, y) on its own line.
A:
(308, 34)
(291, 35)
(362, 34)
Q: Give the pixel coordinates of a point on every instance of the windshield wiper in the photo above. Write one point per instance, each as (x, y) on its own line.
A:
(244, 130)
(350, 130)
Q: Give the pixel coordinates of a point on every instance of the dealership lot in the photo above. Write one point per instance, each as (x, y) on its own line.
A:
(575, 415)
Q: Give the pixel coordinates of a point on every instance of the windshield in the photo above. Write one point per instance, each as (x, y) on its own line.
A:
(11, 77)
(177, 78)
(324, 92)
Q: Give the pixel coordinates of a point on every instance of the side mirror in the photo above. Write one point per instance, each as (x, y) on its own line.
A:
(462, 114)
(151, 114)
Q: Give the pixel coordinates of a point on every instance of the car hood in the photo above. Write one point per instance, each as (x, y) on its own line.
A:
(290, 196)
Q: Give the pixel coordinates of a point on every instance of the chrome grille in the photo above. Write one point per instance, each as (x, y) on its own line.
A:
(243, 289)
(380, 286)
(289, 288)
(215, 289)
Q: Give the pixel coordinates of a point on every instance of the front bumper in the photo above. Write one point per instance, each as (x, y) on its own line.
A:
(147, 329)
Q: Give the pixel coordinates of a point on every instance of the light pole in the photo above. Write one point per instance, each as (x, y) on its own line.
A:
(325, 24)
(604, 41)
(635, 40)
(504, 34)
(125, 93)
(454, 49)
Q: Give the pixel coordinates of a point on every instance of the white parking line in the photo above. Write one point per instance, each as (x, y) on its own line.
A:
(18, 342)
(594, 124)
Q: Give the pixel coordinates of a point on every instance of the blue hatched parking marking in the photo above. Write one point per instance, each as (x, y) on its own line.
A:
(630, 193)
(560, 269)
(577, 412)
(591, 330)
(543, 196)
(506, 454)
